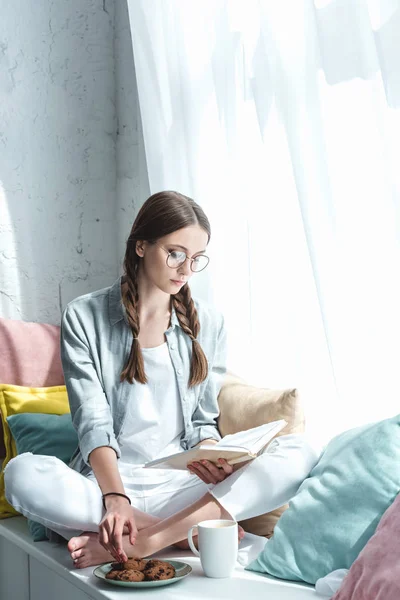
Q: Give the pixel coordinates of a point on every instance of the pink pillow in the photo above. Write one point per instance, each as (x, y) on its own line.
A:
(375, 575)
(29, 356)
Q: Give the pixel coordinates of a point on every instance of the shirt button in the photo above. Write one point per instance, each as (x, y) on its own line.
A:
(172, 347)
(179, 372)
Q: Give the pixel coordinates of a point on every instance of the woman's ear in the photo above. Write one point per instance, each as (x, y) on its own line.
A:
(140, 248)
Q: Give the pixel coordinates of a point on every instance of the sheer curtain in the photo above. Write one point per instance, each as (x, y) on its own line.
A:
(282, 119)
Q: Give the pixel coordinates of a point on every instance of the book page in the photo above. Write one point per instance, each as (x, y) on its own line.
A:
(254, 439)
(182, 459)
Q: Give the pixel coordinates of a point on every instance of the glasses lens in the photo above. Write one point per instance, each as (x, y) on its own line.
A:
(200, 263)
(176, 259)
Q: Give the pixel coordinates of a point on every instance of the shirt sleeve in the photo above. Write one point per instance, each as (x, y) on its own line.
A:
(90, 411)
(204, 419)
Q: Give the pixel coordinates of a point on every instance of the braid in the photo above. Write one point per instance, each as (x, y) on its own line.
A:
(134, 368)
(188, 319)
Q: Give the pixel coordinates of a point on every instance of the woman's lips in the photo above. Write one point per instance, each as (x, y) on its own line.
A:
(176, 282)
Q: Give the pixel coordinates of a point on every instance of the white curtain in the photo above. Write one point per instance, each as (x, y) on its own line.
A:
(281, 118)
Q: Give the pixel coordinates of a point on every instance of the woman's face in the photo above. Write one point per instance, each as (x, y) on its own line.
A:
(191, 240)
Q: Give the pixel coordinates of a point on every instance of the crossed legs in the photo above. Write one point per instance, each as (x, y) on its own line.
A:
(86, 549)
(70, 504)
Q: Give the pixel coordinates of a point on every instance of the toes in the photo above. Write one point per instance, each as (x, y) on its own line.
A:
(77, 553)
(80, 563)
(73, 544)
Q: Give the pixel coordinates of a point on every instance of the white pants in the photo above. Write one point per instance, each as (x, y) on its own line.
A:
(45, 490)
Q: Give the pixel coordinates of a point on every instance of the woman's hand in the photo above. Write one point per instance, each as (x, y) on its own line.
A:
(119, 515)
(208, 472)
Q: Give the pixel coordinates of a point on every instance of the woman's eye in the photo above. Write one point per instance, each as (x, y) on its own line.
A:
(176, 255)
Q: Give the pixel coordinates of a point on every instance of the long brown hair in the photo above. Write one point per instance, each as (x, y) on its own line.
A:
(162, 214)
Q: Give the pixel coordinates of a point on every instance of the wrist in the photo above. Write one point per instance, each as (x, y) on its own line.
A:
(114, 499)
(209, 441)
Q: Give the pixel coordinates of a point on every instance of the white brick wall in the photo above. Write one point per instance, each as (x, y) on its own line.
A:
(68, 111)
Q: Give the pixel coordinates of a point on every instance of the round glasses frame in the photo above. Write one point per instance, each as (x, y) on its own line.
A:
(184, 260)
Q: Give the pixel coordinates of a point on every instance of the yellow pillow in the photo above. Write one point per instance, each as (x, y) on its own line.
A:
(15, 399)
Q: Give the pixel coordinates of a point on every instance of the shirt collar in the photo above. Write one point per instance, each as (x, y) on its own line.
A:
(116, 308)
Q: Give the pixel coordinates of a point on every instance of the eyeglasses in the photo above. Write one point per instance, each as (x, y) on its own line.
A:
(177, 258)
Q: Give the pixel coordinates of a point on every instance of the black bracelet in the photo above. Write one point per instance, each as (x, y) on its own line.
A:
(114, 494)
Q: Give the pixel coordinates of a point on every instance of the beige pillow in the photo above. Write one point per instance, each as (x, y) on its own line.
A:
(243, 406)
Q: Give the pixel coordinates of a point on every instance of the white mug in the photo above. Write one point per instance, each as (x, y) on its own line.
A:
(218, 546)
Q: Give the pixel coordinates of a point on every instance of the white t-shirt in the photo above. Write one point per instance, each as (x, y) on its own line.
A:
(152, 428)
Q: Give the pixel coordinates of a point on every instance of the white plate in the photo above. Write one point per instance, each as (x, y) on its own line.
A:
(182, 570)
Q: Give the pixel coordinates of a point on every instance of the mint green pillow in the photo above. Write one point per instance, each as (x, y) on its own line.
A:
(52, 435)
(338, 507)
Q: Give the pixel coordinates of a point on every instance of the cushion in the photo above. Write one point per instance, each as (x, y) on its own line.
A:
(243, 406)
(17, 399)
(39, 433)
(20, 361)
(375, 575)
(338, 507)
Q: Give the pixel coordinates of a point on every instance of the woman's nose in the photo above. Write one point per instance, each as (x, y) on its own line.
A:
(185, 268)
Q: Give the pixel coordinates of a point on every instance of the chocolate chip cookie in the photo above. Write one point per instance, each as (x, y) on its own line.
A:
(156, 572)
(153, 562)
(130, 575)
(112, 574)
(134, 564)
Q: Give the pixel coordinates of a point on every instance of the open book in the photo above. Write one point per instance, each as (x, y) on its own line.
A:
(234, 448)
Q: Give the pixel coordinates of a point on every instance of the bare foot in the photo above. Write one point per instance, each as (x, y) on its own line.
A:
(86, 549)
(184, 544)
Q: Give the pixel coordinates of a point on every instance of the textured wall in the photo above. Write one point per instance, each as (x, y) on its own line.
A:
(132, 179)
(62, 208)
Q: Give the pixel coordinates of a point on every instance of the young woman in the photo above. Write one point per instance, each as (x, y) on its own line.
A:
(143, 365)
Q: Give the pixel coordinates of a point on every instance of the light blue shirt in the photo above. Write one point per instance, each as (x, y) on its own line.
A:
(95, 346)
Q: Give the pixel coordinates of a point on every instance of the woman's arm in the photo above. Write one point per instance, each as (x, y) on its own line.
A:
(119, 513)
(90, 411)
(103, 461)
(93, 421)
(204, 418)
